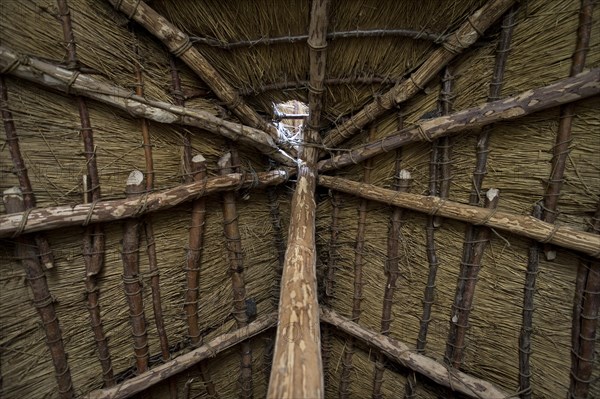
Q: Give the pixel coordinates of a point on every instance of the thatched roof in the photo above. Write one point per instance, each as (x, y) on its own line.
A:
(413, 110)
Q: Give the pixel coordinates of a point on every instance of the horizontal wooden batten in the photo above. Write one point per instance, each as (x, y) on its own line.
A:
(39, 219)
(64, 80)
(526, 226)
(183, 362)
(456, 380)
(568, 90)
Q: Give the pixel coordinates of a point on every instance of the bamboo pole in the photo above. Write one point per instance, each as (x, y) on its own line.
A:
(49, 218)
(297, 370)
(465, 293)
(456, 43)
(522, 225)
(132, 278)
(400, 352)
(561, 150)
(233, 243)
(12, 140)
(55, 77)
(209, 350)
(43, 301)
(564, 91)
(180, 46)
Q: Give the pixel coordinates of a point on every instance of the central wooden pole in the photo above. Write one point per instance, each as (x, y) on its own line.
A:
(297, 370)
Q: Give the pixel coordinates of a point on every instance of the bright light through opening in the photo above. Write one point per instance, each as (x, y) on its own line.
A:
(289, 118)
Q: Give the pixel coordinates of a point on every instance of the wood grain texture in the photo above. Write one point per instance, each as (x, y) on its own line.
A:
(564, 91)
(526, 226)
(54, 217)
(400, 352)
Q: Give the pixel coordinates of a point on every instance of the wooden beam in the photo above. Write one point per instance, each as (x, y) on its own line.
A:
(459, 41)
(63, 80)
(40, 219)
(297, 370)
(584, 85)
(209, 350)
(526, 226)
(179, 45)
(402, 353)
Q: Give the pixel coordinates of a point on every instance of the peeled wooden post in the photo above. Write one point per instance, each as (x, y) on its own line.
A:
(456, 43)
(132, 278)
(297, 370)
(398, 351)
(55, 77)
(43, 301)
(584, 85)
(236, 269)
(180, 46)
(525, 226)
(463, 302)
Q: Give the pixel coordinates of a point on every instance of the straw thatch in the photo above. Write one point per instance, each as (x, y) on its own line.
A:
(260, 59)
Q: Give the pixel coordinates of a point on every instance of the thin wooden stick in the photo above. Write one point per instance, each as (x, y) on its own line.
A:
(463, 302)
(179, 45)
(179, 99)
(149, 233)
(54, 77)
(522, 225)
(181, 363)
(43, 301)
(233, 243)
(564, 91)
(268, 41)
(132, 277)
(456, 43)
(533, 263)
(359, 246)
(560, 150)
(49, 218)
(400, 352)
(279, 240)
(93, 237)
(12, 140)
(303, 84)
(586, 309)
(402, 180)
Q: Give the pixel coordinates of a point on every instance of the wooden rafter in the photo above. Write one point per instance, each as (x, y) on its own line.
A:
(563, 91)
(40, 219)
(522, 225)
(181, 363)
(179, 45)
(298, 339)
(402, 353)
(455, 44)
(61, 79)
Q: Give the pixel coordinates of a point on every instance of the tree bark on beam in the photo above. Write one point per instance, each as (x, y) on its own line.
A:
(40, 219)
(564, 91)
(526, 226)
(400, 352)
(63, 80)
(181, 363)
(180, 46)
(297, 370)
(463, 38)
